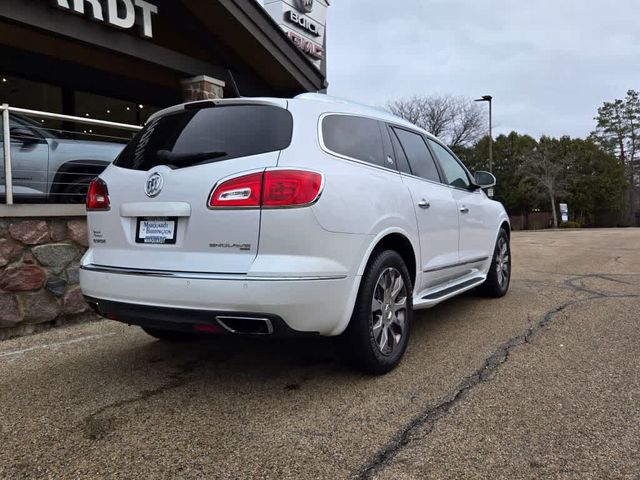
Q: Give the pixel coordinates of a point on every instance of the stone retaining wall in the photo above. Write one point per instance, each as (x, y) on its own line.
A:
(39, 273)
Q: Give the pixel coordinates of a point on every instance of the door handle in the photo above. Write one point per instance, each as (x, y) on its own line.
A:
(424, 203)
(464, 209)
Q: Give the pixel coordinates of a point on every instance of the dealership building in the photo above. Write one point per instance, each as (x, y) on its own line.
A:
(107, 64)
(121, 60)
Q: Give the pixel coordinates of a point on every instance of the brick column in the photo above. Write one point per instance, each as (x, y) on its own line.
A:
(202, 88)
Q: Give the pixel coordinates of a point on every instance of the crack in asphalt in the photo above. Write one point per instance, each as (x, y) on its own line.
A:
(95, 428)
(429, 416)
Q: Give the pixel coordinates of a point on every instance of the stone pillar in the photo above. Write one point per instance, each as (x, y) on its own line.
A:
(202, 88)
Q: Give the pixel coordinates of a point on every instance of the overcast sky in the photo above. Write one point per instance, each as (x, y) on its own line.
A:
(548, 63)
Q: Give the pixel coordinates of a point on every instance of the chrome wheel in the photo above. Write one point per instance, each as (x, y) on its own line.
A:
(389, 311)
(502, 262)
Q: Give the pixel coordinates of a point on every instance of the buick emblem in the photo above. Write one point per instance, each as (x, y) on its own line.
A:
(154, 185)
(305, 6)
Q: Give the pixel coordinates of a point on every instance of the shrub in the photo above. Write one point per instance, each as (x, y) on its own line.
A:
(570, 224)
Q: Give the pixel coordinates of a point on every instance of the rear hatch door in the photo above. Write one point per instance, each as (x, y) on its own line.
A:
(160, 185)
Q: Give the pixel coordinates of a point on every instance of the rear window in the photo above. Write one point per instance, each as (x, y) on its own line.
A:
(206, 135)
(354, 137)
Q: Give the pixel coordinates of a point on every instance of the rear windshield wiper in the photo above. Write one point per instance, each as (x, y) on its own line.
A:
(191, 158)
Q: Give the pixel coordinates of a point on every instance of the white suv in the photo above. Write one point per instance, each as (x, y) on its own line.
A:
(289, 216)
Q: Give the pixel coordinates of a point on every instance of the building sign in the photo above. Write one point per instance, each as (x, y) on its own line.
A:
(123, 14)
(304, 22)
(564, 212)
(305, 6)
(306, 46)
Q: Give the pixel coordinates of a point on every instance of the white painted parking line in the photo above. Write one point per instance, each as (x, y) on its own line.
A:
(54, 345)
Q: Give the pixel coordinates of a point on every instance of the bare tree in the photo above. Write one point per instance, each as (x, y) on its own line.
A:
(456, 120)
(546, 169)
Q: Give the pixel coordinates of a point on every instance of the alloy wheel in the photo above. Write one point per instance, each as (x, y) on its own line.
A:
(502, 262)
(389, 311)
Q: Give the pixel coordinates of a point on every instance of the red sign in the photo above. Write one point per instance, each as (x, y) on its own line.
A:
(306, 46)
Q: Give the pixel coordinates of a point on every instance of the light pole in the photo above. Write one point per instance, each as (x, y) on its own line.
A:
(489, 98)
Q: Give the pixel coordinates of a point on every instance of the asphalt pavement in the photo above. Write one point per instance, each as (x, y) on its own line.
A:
(544, 383)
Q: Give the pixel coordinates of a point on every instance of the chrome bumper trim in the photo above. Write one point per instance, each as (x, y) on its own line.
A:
(201, 276)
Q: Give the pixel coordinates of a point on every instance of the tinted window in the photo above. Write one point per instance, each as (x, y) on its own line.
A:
(455, 173)
(193, 137)
(354, 137)
(418, 154)
(401, 158)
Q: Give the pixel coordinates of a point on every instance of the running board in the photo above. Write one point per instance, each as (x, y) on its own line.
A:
(431, 298)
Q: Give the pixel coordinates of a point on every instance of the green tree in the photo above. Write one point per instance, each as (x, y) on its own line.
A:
(595, 183)
(510, 152)
(618, 132)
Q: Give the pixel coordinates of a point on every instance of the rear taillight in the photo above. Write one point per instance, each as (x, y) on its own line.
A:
(98, 195)
(270, 189)
(290, 188)
(239, 192)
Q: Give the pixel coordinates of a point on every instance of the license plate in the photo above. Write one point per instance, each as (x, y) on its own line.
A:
(157, 230)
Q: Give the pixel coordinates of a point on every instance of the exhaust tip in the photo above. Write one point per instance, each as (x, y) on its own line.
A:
(246, 325)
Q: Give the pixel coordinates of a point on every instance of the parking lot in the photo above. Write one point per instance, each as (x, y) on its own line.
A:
(541, 384)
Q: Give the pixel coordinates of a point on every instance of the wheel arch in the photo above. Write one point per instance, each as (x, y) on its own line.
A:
(70, 170)
(391, 239)
(507, 228)
(402, 245)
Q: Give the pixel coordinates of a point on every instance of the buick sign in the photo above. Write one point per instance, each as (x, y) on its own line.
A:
(154, 185)
(305, 6)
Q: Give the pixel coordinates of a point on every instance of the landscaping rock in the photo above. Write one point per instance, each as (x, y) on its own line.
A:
(24, 278)
(31, 232)
(10, 251)
(73, 302)
(40, 307)
(78, 232)
(73, 275)
(58, 230)
(56, 286)
(10, 315)
(29, 258)
(55, 256)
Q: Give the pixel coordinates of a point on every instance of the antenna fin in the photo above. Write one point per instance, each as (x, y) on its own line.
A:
(234, 85)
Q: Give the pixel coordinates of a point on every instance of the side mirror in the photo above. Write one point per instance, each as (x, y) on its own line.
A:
(24, 135)
(484, 179)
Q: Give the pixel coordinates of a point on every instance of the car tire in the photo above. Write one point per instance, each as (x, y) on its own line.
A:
(170, 335)
(499, 277)
(378, 333)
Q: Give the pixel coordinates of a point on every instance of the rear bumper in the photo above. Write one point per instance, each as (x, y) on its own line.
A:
(301, 304)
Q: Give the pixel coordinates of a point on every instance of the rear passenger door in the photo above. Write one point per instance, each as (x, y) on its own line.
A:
(434, 206)
(477, 222)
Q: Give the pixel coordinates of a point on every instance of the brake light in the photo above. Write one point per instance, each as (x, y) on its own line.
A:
(272, 189)
(98, 195)
(238, 192)
(287, 188)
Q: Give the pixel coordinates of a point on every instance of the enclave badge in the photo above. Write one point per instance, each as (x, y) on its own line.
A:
(154, 185)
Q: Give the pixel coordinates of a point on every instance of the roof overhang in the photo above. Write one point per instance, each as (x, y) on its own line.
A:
(246, 28)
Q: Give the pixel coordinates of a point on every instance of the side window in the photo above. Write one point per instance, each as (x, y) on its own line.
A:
(400, 157)
(354, 137)
(455, 173)
(420, 159)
